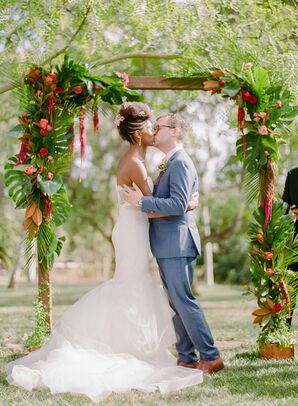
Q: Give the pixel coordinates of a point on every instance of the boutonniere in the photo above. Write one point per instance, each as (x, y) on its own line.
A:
(163, 166)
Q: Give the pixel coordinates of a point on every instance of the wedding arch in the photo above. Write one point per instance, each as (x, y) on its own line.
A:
(51, 98)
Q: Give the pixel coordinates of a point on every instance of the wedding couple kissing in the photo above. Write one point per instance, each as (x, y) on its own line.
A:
(118, 336)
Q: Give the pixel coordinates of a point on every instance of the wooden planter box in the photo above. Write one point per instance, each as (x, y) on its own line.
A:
(274, 351)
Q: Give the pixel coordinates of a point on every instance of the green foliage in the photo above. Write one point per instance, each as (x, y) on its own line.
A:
(279, 333)
(18, 184)
(41, 329)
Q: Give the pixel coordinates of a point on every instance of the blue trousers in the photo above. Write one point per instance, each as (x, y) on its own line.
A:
(192, 330)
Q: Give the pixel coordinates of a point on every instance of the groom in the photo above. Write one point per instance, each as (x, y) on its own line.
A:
(175, 243)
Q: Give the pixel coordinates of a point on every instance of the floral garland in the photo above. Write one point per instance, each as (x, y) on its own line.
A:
(264, 108)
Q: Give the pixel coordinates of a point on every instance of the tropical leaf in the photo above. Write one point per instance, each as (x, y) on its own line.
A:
(60, 207)
(17, 182)
(49, 187)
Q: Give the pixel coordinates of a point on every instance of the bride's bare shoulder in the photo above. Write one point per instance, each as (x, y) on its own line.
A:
(129, 167)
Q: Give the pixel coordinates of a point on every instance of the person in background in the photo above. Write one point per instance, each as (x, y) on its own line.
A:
(290, 196)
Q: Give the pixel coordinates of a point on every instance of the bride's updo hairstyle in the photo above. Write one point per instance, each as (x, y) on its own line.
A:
(132, 116)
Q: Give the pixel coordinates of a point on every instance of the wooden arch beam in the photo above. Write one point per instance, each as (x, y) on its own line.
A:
(162, 83)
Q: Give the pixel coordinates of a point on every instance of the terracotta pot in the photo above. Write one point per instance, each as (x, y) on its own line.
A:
(33, 348)
(270, 351)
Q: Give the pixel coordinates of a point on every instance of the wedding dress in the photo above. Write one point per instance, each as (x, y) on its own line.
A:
(117, 336)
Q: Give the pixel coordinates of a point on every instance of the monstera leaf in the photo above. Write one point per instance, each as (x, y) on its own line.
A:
(61, 207)
(18, 183)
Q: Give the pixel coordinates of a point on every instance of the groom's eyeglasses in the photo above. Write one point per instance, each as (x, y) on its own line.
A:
(159, 126)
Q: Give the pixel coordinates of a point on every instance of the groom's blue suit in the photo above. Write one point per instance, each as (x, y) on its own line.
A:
(175, 242)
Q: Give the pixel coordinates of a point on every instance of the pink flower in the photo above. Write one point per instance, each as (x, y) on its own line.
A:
(263, 130)
(50, 158)
(42, 132)
(266, 153)
(262, 114)
(24, 115)
(270, 272)
(43, 151)
(38, 93)
(118, 120)
(257, 119)
(78, 89)
(51, 77)
(29, 170)
(278, 307)
(58, 89)
(43, 123)
(49, 127)
(268, 256)
(248, 65)
(50, 175)
(279, 104)
(125, 79)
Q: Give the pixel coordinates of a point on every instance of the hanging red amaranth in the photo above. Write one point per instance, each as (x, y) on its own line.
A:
(268, 192)
(51, 105)
(22, 154)
(71, 146)
(82, 132)
(286, 296)
(241, 117)
(48, 207)
(95, 122)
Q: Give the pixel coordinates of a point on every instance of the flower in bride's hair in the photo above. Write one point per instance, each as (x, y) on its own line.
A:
(118, 120)
(142, 113)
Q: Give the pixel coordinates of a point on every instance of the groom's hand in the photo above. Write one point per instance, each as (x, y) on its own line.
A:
(132, 196)
(194, 201)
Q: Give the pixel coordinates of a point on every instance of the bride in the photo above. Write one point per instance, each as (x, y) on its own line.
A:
(117, 336)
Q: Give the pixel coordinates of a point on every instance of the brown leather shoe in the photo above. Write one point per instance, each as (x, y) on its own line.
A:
(185, 365)
(210, 367)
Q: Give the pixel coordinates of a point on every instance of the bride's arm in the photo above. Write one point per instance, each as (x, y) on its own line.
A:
(138, 175)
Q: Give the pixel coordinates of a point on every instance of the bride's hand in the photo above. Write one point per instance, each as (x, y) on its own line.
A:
(194, 201)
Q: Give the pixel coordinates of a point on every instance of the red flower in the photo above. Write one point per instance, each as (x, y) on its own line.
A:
(49, 127)
(38, 93)
(58, 89)
(268, 256)
(43, 151)
(221, 82)
(279, 104)
(43, 123)
(50, 175)
(24, 115)
(29, 170)
(249, 97)
(48, 207)
(42, 132)
(78, 89)
(278, 307)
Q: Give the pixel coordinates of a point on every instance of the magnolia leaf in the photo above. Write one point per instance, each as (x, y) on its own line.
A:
(231, 87)
(49, 187)
(261, 312)
(16, 131)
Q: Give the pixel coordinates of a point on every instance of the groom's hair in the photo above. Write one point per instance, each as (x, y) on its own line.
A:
(176, 121)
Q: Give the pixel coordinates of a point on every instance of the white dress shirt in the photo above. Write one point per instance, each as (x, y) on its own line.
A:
(172, 152)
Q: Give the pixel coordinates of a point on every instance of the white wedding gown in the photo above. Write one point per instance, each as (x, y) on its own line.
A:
(117, 336)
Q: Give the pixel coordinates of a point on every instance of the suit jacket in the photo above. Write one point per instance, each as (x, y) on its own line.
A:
(290, 194)
(176, 235)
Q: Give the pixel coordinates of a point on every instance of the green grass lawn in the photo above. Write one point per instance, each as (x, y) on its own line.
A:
(246, 380)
